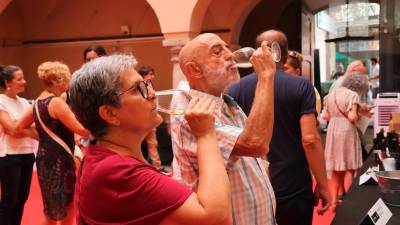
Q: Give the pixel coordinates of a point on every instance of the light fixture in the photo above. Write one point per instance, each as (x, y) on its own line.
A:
(125, 30)
(337, 4)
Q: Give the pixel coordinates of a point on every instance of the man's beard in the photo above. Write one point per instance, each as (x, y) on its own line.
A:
(222, 77)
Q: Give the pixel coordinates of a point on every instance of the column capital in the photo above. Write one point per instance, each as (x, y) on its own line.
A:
(178, 38)
(174, 42)
(175, 46)
(175, 53)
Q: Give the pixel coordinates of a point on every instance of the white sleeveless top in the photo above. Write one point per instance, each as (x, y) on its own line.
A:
(11, 145)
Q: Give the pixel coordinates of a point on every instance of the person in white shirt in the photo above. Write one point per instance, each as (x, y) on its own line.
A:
(374, 80)
(16, 149)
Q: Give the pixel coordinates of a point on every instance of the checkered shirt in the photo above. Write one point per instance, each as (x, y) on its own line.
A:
(253, 199)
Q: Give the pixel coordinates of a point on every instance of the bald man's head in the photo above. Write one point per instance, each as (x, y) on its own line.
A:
(189, 52)
(208, 64)
(277, 36)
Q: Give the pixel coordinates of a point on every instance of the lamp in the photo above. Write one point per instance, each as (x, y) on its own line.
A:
(339, 9)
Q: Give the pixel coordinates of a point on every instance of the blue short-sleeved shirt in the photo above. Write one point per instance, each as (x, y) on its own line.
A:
(293, 97)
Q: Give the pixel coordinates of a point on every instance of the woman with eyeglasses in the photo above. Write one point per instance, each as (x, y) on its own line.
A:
(55, 161)
(115, 184)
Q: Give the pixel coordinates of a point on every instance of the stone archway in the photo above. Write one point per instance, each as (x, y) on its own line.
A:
(238, 19)
(3, 4)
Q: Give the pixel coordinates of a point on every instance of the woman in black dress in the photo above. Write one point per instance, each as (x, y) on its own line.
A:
(55, 162)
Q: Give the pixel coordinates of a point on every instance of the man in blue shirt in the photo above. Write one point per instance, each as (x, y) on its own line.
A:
(296, 145)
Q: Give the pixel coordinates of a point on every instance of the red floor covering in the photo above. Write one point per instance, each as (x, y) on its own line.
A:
(34, 208)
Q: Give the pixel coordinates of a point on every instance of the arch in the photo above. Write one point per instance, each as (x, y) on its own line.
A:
(239, 18)
(186, 22)
(4, 4)
(199, 12)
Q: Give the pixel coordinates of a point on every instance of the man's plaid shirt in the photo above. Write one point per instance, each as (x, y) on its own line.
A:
(253, 199)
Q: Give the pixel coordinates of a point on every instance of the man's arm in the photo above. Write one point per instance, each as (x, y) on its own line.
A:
(255, 138)
(312, 145)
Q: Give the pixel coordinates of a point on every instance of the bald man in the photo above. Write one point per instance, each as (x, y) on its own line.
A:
(209, 68)
(296, 145)
(355, 67)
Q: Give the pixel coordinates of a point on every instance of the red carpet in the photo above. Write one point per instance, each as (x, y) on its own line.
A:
(33, 211)
(34, 208)
(325, 219)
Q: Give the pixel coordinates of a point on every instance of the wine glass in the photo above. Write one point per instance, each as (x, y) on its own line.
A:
(172, 101)
(242, 56)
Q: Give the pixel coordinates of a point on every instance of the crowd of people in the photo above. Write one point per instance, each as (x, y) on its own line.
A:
(244, 152)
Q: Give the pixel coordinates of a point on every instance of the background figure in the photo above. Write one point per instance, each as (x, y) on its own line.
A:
(340, 68)
(16, 151)
(55, 165)
(90, 53)
(93, 52)
(343, 148)
(355, 67)
(338, 72)
(293, 66)
(296, 146)
(148, 75)
(111, 99)
(374, 80)
(336, 75)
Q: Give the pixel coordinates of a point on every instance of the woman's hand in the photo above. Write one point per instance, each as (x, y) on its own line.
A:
(200, 116)
(353, 114)
(364, 110)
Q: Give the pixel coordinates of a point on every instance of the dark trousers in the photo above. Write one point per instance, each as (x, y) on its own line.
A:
(295, 211)
(15, 178)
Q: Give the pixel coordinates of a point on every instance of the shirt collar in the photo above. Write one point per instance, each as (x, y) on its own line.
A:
(219, 100)
(199, 94)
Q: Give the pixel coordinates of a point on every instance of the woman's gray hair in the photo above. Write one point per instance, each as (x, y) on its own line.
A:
(98, 83)
(357, 83)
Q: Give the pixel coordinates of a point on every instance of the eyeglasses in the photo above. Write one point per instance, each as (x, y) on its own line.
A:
(142, 86)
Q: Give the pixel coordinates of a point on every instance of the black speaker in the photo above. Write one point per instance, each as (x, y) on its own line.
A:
(317, 71)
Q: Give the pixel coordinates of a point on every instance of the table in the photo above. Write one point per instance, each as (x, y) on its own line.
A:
(360, 199)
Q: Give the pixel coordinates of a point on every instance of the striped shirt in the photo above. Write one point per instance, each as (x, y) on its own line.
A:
(253, 200)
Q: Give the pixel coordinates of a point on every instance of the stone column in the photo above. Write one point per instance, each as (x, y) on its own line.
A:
(175, 47)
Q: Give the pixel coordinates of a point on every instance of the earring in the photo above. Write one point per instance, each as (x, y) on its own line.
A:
(8, 88)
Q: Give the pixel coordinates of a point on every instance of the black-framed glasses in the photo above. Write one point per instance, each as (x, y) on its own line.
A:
(142, 86)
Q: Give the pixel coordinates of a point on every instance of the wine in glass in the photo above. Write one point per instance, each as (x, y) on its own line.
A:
(242, 56)
(173, 101)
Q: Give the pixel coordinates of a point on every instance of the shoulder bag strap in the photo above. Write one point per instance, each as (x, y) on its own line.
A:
(344, 114)
(54, 136)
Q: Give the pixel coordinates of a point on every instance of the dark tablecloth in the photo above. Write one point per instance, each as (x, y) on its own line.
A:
(359, 200)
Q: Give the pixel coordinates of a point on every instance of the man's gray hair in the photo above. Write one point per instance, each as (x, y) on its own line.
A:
(357, 83)
(98, 83)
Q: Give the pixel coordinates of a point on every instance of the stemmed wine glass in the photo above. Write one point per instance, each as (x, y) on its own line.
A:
(242, 55)
(173, 101)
